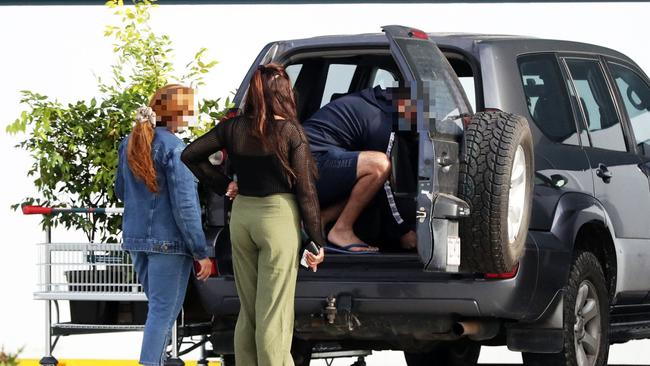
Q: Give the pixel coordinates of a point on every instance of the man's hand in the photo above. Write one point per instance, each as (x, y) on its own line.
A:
(233, 190)
(314, 260)
(206, 268)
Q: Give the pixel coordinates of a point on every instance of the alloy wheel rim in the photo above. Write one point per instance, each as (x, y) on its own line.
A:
(587, 328)
(517, 194)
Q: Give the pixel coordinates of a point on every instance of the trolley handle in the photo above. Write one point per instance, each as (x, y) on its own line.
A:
(42, 210)
(36, 210)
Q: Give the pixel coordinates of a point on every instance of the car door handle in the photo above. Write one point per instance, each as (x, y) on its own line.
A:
(604, 173)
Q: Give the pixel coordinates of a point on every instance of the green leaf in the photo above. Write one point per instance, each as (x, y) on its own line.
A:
(15, 127)
(211, 64)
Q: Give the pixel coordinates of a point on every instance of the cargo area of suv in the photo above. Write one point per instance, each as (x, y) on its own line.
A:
(323, 75)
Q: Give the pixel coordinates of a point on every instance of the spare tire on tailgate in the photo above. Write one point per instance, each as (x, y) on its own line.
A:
(496, 180)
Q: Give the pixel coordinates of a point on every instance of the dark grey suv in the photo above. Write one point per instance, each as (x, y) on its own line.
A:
(546, 185)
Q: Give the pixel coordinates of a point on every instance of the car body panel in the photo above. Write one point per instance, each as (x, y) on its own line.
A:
(441, 295)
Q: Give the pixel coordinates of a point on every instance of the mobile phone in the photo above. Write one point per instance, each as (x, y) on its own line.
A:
(311, 247)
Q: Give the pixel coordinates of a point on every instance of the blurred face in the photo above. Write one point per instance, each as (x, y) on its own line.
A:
(175, 108)
(407, 109)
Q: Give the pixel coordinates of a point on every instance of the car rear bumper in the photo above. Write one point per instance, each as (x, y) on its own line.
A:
(525, 297)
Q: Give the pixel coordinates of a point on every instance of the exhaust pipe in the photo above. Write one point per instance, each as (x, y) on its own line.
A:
(477, 330)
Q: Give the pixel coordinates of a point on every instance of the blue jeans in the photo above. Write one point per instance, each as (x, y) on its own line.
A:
(164, 279)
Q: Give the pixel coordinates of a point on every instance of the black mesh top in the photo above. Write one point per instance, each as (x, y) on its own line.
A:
(259, 172)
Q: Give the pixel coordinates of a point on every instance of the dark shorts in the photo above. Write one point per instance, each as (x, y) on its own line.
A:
(337, 172)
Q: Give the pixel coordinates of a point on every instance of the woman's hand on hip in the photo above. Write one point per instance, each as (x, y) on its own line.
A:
(314, 260)
(205, 269)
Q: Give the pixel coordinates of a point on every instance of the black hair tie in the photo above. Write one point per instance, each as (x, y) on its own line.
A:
(261, 67)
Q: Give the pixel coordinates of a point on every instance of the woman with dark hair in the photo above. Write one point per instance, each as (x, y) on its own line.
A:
(275, 176)
(161, 225)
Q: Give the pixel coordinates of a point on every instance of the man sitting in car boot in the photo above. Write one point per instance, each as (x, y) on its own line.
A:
(350, 139)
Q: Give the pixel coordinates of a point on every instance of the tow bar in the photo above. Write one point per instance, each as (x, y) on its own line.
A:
(342, 303)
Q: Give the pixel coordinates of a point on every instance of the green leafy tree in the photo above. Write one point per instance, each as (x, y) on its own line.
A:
(74, 146)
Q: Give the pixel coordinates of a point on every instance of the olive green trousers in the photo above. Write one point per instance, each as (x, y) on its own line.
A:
(265, 235)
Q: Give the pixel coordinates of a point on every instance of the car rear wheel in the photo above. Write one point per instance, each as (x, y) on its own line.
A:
(586, 318)
(496, 180)
(458, 353)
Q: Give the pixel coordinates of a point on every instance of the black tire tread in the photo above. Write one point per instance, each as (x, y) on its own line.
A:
(484, 185)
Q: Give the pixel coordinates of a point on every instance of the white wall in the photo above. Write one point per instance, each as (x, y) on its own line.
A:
(55, 50)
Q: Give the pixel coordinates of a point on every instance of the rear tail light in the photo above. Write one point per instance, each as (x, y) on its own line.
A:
(504, 275)
(232, 113)
(224, 155)
(467, 119)
(214, 272)
(416, 33)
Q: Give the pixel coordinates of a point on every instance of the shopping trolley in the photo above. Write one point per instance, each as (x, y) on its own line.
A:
(96, 278)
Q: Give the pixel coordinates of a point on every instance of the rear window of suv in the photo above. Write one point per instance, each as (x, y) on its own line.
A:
(339, 77)
(547, 98)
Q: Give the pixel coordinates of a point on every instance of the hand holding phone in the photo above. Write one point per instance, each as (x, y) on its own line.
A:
(312, 256)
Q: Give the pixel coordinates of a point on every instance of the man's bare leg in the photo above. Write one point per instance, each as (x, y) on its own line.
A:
(373, 168)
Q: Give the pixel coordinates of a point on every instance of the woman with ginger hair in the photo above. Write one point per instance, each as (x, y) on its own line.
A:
(162, 221)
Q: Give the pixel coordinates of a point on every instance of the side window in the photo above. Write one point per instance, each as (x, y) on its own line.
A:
(596, 104)
(383, 78)
(635, 94)
(547, 98)
(293, 71)
(467, 82)
(339, 77)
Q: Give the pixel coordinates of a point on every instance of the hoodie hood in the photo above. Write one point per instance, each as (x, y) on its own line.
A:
(378, 97)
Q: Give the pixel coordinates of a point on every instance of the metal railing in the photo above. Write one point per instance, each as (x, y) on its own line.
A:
(83, 272)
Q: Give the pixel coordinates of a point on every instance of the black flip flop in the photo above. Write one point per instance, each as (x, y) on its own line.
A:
(346, 249)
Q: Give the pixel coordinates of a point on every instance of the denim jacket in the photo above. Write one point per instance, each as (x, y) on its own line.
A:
(168, 221)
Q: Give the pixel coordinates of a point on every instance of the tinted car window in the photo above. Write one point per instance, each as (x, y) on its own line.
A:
(443, 97)
(547, 99)
(339, 77)
(596, 104)
(636, 97)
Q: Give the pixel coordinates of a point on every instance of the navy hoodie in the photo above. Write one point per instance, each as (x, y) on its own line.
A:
(360, 121)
